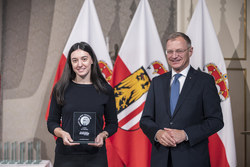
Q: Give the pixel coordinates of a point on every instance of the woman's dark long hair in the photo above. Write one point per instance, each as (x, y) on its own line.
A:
(68, 75)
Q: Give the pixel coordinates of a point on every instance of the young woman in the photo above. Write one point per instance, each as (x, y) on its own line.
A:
(82, 88)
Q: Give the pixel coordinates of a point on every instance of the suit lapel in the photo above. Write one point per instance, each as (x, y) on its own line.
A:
(166, 95)
(189, 82)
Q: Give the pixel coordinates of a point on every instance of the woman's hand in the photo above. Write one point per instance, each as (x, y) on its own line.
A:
(99, 140)
(67, 140)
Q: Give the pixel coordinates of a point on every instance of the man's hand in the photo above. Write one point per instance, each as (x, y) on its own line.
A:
(178, 135)
(165, 138)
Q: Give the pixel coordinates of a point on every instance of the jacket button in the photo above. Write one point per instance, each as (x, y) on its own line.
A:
(171, 123)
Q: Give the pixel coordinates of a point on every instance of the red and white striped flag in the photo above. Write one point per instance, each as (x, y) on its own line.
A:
(207, 56)
(87, 28)
(140, 58)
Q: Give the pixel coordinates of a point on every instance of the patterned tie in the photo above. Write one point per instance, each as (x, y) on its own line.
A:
(175, 90)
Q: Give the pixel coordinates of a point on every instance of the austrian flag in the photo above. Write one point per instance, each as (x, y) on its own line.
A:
(140, 58)
(207, 56)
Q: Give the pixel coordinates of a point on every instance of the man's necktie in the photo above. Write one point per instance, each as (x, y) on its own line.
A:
(175, 90)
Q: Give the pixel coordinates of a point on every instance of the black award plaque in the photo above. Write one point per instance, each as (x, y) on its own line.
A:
(84, 127)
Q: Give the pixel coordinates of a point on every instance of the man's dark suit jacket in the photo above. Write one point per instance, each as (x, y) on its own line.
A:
(198, 113)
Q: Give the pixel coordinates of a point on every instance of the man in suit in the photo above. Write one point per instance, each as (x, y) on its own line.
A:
(182, 110)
